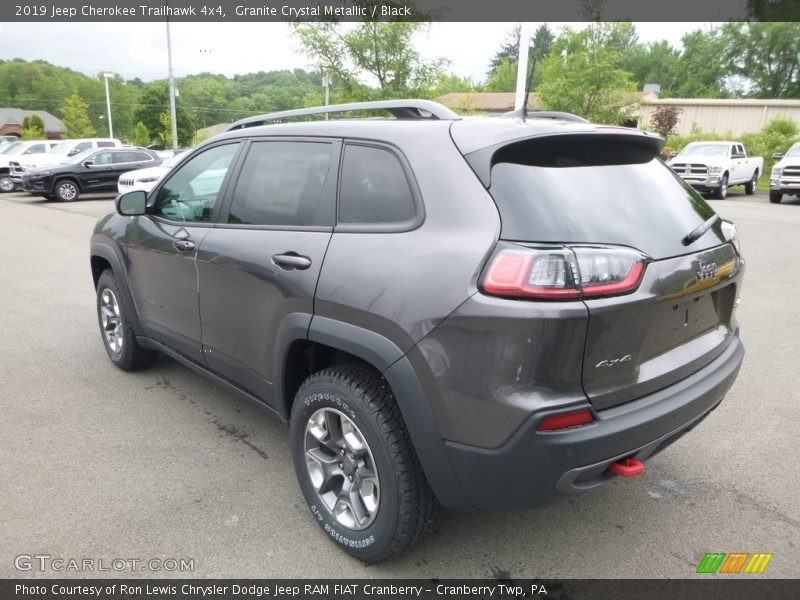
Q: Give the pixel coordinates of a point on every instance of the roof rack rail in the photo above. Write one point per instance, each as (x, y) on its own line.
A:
(545, 114)
(401, 109)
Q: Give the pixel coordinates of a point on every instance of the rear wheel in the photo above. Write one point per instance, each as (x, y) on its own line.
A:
(115, 327)
(722, 190)
(356, 466)
(66, 190)
(750, 186)
(775, 197)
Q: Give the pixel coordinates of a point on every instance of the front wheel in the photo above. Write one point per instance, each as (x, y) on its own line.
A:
(115, 327)
(775, 197)
(356, 465)
(722, 190)
(6, 185)
(750, 186)
(66, 190)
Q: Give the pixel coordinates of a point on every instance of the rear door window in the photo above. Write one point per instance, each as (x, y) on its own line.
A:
(596, 189)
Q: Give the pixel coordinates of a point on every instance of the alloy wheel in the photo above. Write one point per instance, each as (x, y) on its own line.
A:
(341, 468)
(111, 320)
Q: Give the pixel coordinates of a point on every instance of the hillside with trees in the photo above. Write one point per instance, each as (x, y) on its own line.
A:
(592, 71)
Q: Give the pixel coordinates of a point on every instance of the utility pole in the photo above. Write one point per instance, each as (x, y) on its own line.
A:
(172, 112)
(106, 77)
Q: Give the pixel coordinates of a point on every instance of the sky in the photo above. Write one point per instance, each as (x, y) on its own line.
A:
(139, 49)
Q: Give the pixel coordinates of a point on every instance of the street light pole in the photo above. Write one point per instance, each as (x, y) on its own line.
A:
(106, 77)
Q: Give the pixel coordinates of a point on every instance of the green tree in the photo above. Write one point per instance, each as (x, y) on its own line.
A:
(766, 56)
(703, 63)
(582, 75)
(657, 62)
(153, 102)
(141, 137)
(502, 76)
(33, 128)
(383, 52)
(74, 114)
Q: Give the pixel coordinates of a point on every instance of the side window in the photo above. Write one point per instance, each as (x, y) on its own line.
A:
(106, 144)
(35, 149)
(281, 184)
(192, 190)
(81, 147)
(102, 158)
(142, 157)
(374, 188)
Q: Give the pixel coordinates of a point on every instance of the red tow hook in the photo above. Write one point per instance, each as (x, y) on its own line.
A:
(627, 467)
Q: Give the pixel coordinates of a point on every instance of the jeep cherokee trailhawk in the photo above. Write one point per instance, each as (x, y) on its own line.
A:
(482, 313)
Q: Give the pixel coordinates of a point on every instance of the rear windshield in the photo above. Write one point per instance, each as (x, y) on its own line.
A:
(584, 189)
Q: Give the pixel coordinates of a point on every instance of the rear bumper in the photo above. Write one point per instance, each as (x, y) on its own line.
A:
(535, 468)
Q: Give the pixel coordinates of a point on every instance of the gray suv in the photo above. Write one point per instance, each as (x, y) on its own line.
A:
(480, 314)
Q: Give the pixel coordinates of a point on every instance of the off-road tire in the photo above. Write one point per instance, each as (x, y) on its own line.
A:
(775, 197)
(128, 355)
(750, 186)
(407, 507)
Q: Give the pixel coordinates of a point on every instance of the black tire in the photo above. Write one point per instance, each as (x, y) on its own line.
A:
(775, 197)
(750, 186)
(722, 191)
(6, 185)
(124, 352)
(66, 190)
(406, 507)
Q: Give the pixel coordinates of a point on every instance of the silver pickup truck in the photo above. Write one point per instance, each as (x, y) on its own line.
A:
(712, 167)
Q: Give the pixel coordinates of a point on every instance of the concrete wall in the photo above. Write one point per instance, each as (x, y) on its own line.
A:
(725, 117)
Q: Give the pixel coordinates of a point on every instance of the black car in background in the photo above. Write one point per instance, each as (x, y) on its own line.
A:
(95, 170)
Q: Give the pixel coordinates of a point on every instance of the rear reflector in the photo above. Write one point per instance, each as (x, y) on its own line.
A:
(563, 273)
(566, 420)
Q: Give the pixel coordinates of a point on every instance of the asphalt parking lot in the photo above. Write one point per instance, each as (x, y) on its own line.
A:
(96, 463)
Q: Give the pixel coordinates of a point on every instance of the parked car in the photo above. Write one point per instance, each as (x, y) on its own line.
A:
(145, 179)
(785, 176)
(90, 171)
(713, 167)
(17, 151)
(58, 154)
(485, 313)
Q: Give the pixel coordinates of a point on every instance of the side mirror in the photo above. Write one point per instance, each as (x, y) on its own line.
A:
(73, 152)
(777, 156)
(88, 163)
(132, 204)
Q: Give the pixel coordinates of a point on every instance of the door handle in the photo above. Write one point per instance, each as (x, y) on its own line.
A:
(183, 245)
(291, 261)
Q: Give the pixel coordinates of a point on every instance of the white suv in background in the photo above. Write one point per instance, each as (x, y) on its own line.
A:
(18, 151)
(145, 179)
(58, 154)
(785, 176)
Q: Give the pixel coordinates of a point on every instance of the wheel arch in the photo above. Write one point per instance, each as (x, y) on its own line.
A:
(103, 257)
(330, 342)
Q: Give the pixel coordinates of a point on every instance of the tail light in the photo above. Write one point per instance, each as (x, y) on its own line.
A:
(563, 273)
(567, 420)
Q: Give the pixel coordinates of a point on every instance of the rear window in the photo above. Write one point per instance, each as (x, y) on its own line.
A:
(596, 190)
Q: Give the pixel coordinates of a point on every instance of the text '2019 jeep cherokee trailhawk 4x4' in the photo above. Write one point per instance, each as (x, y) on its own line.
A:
(481, 313)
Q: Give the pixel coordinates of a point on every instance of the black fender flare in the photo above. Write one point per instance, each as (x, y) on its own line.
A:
(409, 393)
(107, 253)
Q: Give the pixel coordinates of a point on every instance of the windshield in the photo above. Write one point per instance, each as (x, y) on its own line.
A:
(706, 149)
(5, 146)
(62, 148)
(15, 148)
(794, 151)
(78, 158)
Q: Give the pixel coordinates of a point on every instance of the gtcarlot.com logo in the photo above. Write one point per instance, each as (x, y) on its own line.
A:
(735, 562)
(45, 562)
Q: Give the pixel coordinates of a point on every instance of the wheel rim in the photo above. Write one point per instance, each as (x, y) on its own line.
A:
(723, 187)
(6, 184)
(67, 191)
(341, 468)
(111, 320)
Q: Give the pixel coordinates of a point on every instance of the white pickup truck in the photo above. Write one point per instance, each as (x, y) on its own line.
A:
(785, 176)
(712, 167)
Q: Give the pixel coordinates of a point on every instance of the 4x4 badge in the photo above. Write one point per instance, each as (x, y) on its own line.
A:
(612, 362)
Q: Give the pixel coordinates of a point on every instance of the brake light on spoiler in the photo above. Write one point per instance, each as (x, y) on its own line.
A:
(563, 272)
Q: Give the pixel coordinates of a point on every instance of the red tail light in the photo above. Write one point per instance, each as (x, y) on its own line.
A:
(564, 273)
(566, 420)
